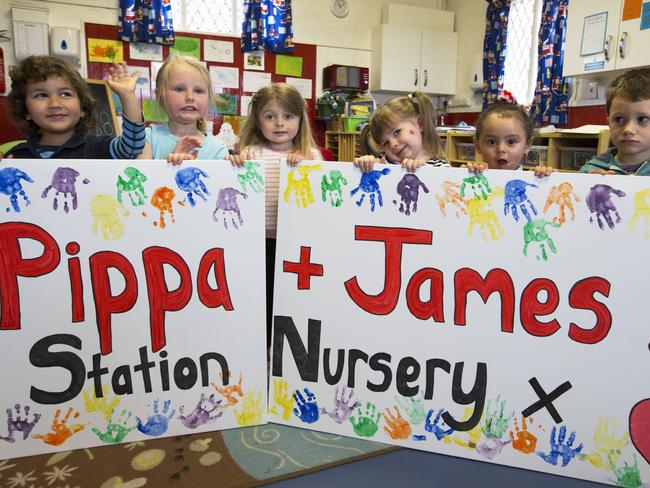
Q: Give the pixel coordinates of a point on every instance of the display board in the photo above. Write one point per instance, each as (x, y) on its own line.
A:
(105, 108)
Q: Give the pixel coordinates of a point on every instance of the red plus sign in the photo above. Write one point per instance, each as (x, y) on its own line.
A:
(304, 269)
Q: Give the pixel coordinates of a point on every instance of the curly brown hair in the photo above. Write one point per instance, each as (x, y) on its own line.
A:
(34, 69)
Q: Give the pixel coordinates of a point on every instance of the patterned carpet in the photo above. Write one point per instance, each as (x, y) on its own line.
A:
(245, 457)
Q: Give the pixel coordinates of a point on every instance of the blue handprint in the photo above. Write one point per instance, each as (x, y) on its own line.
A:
(560, 448)
(157, 423)
(11, 186)
(435, 427)
(307, 409)
(599, 202)
(189, 180)
(516, 197)
(369, 185)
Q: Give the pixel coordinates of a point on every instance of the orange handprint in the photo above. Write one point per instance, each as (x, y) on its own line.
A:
(229, 391)
(396, 426)
(522, 439)
(60, 430)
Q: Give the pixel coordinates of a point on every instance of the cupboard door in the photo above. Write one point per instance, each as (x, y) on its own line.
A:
(438, 63)
(595, 60)
(632, 45)
(395, 58)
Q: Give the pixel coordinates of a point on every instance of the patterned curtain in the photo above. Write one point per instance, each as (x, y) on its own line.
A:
(494, 49)
(267, 25)
(552, 90)
(146, 21)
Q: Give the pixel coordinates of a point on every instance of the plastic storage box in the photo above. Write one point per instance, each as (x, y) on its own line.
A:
(537, 155)
(351, 123)
(466, 151)
(575, 157)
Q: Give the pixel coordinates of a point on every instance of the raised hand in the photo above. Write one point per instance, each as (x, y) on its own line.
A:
(250, 177)
(61, 432)
(116, 431)
(561, 449)
(516, 198)
(19, 423)
(300, 187)
(205, 411)
(413, 407)
(369, 185)
(368, 421)
(522, 439)
(120, 80)
(282, 398)
(157, 423)
(189, 180)
(251, 409)
(10, 185)
(229, 391)
(396, 426)
(306, 408)
(63, 181)
(436, 427)
(104, 405)
(344, 405)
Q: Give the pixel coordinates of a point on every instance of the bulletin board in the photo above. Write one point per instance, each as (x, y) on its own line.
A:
(307, 53)
(105, 108)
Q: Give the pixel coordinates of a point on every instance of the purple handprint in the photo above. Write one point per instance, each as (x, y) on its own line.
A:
(409, 190)
(63, 181)
(189, 180)
(343, 405)
(599, 202)
(306, 409)
(369, 185)
(202, 412)
(435, 427)
(516, 198)
(227, 207)
(11, 186)
(157, 423)
(560, 449)
(20, 423)
(490, 447)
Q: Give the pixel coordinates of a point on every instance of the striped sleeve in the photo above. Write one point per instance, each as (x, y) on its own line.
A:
(130, 144)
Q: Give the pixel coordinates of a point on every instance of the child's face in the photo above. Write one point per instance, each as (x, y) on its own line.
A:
(403, 141)
(54, 106)
(502, 142)
(186, 96)
(629, 129)
(278, 126)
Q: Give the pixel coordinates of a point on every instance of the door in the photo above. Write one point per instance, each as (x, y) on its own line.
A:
(632, 44)
(438, 62)
(395, 58)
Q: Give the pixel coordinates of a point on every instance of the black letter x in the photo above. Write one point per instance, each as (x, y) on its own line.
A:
(546, 400)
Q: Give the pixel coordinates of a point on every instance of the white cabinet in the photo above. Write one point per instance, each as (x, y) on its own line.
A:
(405, 59)
(624, 45)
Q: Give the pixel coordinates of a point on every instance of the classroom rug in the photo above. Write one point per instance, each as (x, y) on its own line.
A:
(245, 457)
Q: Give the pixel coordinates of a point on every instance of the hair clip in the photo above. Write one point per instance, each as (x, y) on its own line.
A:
(412, 98)
(507, 97)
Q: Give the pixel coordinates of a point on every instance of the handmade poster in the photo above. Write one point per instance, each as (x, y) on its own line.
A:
(288, 65)
(225, 103)
(105, 51)
(245, 103)
(254, 81)
(218, 51)
(186, 46)
(497, 316)
(153, 112)
(145, 51)
(143, 312)
(303, 85)
(155, 67)
(143, 87)
(254, 60)
(224, 77)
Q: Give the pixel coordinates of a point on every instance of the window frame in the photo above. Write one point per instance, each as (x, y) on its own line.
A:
(236, 6)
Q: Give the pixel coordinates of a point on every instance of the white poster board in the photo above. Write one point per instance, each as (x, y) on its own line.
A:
(415, 309)
(132, 302)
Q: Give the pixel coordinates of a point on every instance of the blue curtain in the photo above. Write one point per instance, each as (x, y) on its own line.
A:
(146, 21)
(494, 49)
(552, 91)
(267, 25)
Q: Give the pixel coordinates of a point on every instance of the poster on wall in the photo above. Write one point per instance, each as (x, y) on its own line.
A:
(496, 316)
(132, 302)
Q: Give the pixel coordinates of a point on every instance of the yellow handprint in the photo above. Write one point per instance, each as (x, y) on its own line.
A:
(251, 409)
(471, 437)
(300, 187)
(283, 398)
(608, 446)
(104, 209)
(486, 219)
(103, 404)
(641, 211)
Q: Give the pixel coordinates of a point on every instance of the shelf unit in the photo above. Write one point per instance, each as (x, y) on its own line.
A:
(553, 141)
(344, 145)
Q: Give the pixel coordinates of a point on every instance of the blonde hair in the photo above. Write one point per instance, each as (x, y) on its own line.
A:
(163, 77)
(415, 105)
(290, 99)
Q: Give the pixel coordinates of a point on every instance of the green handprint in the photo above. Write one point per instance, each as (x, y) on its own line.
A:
(627, 476)
(368, 423)
(413, 407)
(251, 177)
(496, 423)
(116, 431)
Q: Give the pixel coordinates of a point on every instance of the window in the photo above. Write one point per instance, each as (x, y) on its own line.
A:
(212, 16)
(520, 72)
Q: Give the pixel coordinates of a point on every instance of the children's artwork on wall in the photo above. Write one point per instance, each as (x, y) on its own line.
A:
(143, 88)
(155, 67)
(253, 81)
(105, 51)
(288, 65)
(186, 46)
(145, 52)
(227, 135)
(226, 103)
(254, 60)
(489, 316)
(245, 104)
(224, 77)
(153, 112)
(218, 51)
(303, 85)
(103, 349)
(235, 122)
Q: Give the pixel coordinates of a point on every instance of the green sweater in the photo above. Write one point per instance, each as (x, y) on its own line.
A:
(607, 161)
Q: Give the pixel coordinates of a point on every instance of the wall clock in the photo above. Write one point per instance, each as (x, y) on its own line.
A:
(340, 8)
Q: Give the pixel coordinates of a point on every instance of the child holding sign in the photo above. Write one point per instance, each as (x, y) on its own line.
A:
(54, 107)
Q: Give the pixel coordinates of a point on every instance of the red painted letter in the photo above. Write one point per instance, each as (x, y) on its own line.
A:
(581, 296)
(432, 307)
(210, 297)
(530, 307)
